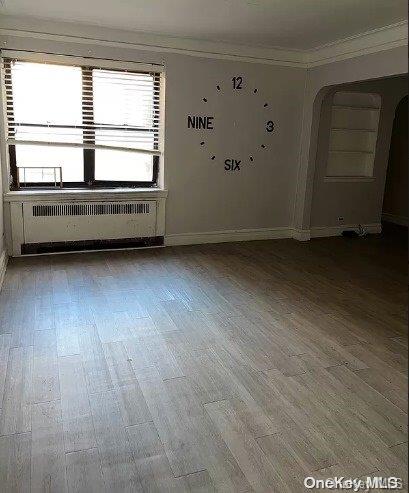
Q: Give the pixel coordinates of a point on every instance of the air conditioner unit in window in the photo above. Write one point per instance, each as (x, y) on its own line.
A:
(82, 225)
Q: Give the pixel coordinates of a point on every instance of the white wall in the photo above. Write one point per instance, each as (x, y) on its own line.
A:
(203, 197)
(276, 191)
(357, 202)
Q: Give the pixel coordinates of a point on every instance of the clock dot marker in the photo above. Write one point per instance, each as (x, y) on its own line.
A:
(263, 146)
(255, 90)
(202, 143)
(265, 105)
(205, 100)
(213, 158)
(251, 158)
(218, 88)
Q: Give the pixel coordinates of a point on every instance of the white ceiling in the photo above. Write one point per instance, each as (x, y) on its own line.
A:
(290, 24)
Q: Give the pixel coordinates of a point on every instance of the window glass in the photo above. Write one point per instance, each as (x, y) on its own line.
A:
(47, 94)
(47, 102)
(34, 156)
(123, 166)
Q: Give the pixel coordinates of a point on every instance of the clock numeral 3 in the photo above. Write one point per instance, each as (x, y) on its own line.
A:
(237, 82)
(270, 126)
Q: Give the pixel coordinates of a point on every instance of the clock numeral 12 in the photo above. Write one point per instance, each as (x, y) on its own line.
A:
(237, 82)
(270, 126)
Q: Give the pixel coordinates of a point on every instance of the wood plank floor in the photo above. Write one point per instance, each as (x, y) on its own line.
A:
(230, 368)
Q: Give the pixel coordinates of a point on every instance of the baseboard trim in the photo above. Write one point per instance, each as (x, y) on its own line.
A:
(3, 265)
(243, 235)
(265, 234)
(227, 236)
(325, 231)
(301, 234)
(393, 218)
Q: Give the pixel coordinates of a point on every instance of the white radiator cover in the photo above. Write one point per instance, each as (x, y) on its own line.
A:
(76, 221)
(56, 221)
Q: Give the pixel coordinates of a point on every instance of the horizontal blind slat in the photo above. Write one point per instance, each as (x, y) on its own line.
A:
(153, 152)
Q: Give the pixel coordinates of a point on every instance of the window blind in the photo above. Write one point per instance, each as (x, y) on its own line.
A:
(82, 106)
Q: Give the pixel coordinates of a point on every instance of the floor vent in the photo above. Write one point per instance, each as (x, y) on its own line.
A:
(90, 209)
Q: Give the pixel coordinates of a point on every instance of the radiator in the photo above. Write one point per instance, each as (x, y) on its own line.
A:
(82, 225)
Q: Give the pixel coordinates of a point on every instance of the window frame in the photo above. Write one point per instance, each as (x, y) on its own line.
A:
(89, 154)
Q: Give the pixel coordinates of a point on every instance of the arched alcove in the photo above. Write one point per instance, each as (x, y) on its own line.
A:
(347, 174)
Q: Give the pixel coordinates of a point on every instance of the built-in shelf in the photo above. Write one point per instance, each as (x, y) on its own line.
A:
(351, 151)
(360, 108)
(348, 129)
(353, 136)
(349, 179)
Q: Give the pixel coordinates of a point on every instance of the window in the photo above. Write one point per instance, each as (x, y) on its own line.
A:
(81, 126)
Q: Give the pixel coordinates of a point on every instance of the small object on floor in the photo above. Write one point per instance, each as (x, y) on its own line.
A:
(361, 230)
(350, 233)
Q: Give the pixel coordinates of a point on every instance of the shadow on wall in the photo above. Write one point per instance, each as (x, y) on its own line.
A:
(395, 202)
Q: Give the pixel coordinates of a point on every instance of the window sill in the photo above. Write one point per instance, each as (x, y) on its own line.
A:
(99, 194)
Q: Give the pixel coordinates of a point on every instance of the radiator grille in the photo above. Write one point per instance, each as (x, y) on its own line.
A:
(90, 209)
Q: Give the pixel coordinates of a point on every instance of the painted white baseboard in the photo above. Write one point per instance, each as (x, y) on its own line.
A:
(3, 265)
(393, 218)
(301, 234)
(227, 236)
(264, 234)
(324, 231)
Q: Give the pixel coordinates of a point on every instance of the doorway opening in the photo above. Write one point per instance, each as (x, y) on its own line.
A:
(395, 199)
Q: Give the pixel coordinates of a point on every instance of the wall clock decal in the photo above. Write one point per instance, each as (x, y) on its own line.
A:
(261, 126)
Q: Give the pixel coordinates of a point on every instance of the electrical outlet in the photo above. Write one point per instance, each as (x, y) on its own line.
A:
(340, 219)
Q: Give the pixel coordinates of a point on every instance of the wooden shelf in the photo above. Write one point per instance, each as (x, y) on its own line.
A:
(361, 108)
(349, 129)
(349, 179)
(350, 151)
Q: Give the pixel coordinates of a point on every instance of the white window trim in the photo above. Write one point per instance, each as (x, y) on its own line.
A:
(76, 194)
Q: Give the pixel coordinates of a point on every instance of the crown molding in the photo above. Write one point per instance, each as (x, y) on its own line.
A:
(94, 35)
(381, 39)
(373, 41)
